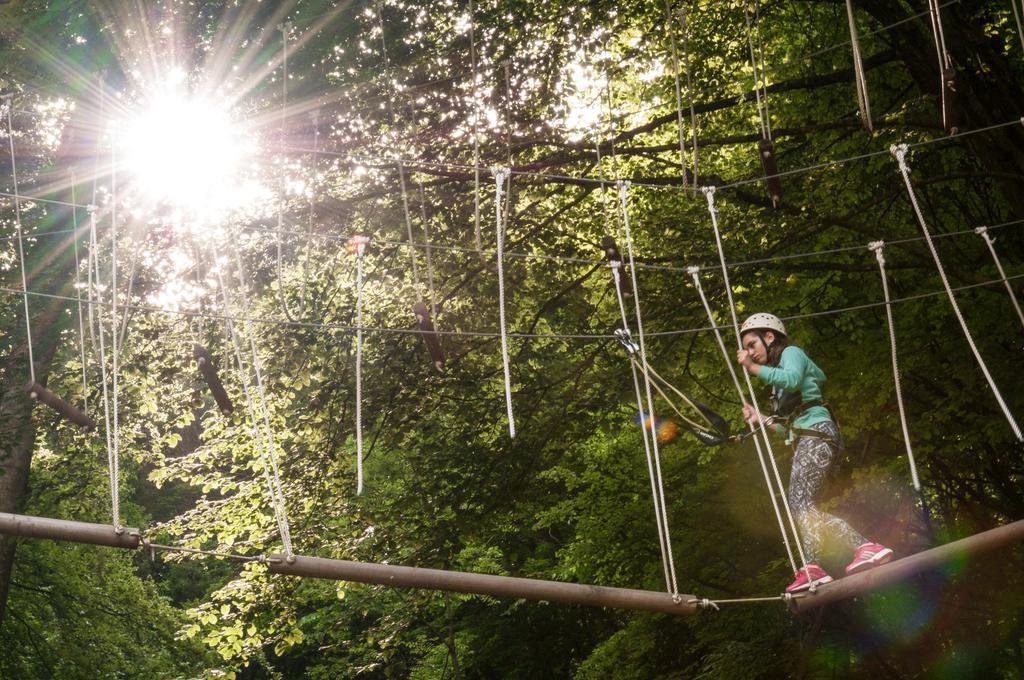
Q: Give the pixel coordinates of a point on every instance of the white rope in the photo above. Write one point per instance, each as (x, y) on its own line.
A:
(500, 176)
(709, 192)
(269, 463)
(877, 247)
(989, 241)
(94, 284)
(285, 29)
(624, 205)
(689, 85)
(78, 295)
(729, 363)
(900, 152)
(476, 130)
(408, 230)
(427, 251)
(757, 86)
(679, 94)
(115, 471)
(760, 56)
(360, 245)
(941, 53)
(1016, 16)
(655, 497)
(21, 244)
(863, 100)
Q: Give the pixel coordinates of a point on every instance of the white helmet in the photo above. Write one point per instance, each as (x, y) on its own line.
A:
(763, 322)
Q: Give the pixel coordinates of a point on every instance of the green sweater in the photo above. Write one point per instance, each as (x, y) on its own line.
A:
(796, 371)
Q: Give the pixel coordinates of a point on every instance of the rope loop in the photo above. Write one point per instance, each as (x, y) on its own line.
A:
(900, 152)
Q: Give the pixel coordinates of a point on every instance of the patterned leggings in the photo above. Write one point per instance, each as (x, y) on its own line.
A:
(810, 464)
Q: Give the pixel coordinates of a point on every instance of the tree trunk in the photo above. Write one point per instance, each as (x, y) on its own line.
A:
(50, 268)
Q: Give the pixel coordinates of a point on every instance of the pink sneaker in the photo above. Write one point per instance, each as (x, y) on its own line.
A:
(818, 577)
(867, 556)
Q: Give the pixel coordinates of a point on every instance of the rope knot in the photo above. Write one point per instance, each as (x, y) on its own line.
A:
(876, 247)
(693, 270)
(900, 152)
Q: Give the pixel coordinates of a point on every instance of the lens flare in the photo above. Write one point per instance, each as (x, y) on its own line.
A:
(188, 153)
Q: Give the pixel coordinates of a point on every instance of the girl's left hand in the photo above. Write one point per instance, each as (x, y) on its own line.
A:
(744, 358)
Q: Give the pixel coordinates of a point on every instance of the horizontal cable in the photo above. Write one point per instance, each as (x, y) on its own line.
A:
(39, 199)
(487, 334)
(412, 163)
(641, 266)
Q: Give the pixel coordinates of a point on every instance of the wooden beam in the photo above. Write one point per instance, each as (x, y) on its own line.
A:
(484, 584)
(904, 568)
(66, 530)
(383, 574)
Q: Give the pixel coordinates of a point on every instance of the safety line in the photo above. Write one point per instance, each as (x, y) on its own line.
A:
(492, 334)
(656, 454)
(391, 159)
(500, 177)
(751, 392)
(990, 242)
(900, 153)
(21, 245)
(877, 247)
(648, 266)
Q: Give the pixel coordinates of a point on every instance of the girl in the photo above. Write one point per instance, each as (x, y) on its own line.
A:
(808, 424)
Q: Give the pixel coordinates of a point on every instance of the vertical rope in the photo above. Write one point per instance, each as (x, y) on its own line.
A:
(271, 444)
(500, 176)
(624, 205)
(877, 247)
(760, 56)
(694, 273)
(679, 94)
(408, 230)
(94, 298)
(863, 100)
(361, 243)
(1016, 17)
(476, 131)
(428, 248)
(709, 192)
(21, 245)
(761, 108)
(689, 86)
(900, 152)
(269, 463)
(115, 473)
(655, 497)
(78, 293)
(989, 241)
(940, 52)
(284, 28)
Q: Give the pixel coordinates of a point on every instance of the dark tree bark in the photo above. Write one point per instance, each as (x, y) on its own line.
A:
(50, 269)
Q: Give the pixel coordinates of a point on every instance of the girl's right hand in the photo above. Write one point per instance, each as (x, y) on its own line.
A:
(749, 414)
